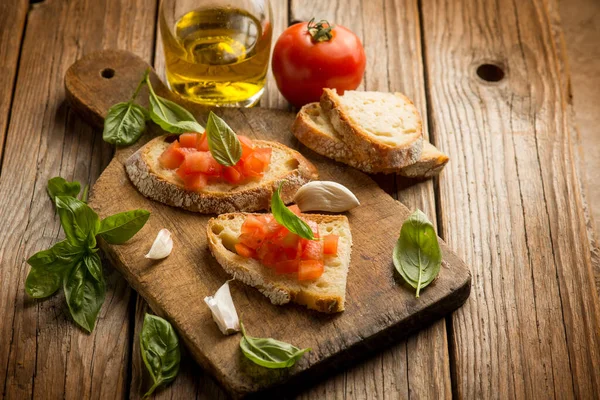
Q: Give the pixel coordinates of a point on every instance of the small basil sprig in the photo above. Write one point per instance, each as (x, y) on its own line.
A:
(287, 218)
(417, 255)
(223, 143)
(159, 346)
(171, 116)
(270, 353)
(59, 186)
(125, 122)
(74, 262)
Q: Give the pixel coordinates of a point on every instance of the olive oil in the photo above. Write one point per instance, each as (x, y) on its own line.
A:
(217, 56)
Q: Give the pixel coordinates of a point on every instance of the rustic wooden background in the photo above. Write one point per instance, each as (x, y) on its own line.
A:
(510, 202)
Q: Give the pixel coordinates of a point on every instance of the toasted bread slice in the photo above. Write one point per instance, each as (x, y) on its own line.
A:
(313, 128)
(326, 294)
(376, 125)
(165, 186)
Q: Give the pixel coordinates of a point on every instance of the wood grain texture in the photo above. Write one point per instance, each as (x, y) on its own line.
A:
(12, 24)
(390, 32)
(42, 353)
(176, 285)
(511, 203)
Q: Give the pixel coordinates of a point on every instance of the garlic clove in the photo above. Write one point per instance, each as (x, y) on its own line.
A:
(325, 196)
(162, 246)
(223, 310)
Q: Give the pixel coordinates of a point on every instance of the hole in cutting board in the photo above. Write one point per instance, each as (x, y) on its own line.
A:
(490, 72)
(107, 73)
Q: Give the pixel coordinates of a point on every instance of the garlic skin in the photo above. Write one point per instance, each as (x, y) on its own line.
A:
(162, 246)
(325, 196)
(223, 310)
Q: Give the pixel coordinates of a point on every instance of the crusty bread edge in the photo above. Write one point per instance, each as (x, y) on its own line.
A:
(157, 188)
(278, 295)
(362, 144)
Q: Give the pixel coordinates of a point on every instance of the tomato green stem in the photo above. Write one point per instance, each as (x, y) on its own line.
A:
(320, 31)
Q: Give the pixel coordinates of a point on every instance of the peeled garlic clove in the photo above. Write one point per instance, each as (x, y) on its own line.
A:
(325, 196)
(162, 246)
(223, 310)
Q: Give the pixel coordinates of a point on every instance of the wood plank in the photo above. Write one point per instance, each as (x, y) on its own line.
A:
(511, 203)
(393, 312)
(12, 24)
(43, 354)
(390, 32)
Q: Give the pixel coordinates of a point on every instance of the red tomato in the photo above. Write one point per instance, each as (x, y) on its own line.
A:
(244, 250)
(232, 175)
(171, 158)
(287, 267)
(195, 182)
(310, 269)
(202, 161)
(313, 250)
(247, 145)
(202, 143)
(295, 209)
(330, 244)
(303, 66)
(188, 140)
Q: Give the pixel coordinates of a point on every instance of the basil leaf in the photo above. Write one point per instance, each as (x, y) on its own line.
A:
(48, 268)
(417, 255)
(94, 266)
(58, 186)
(159, 346)
(124, 123)
(170, 116)
(78, 220)
(287, 218)
(84, 296)
(270, 353)
(84, 195)
(119, 228)
(223, 143)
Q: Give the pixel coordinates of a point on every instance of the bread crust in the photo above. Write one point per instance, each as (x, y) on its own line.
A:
(151, 184)
(363, 146)
(431, 162)
(277, 288)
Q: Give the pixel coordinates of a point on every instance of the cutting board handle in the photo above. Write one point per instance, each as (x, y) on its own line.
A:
(101, 79)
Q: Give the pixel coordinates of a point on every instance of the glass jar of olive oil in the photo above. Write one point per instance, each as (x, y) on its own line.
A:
(217, 52)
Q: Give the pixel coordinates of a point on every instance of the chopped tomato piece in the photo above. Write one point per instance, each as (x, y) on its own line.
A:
(251, 239)
(195, 182)
(313, 250)
(244, 250)
(310, 270)
(232, 175)
(202, 142)
(295, 209)
(263, 154)
(287, 267)
(202, 161)
(247, 145)
(188, 140)
(252, 166)
(171, 158)
(330, 244)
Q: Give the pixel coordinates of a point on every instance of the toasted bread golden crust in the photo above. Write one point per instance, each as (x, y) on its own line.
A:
(364, 146)
(164, 186)
(326, 294)
(314, 130)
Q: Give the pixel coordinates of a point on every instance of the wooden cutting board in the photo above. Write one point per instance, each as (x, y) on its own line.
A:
(380, 308)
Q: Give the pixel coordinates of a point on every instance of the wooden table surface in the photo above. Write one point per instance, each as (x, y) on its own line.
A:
(510, 202)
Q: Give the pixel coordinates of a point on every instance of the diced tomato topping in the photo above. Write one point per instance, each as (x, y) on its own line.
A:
(310, 270)
(232, 175)
(247, 145)
(195, 182)
(295, 209)
(171, 158)
(201, 161)
(287, 267)
(244, 250)
(188, 140)
(313, 250)
(330, 244)
(202, 143)
(263, 154)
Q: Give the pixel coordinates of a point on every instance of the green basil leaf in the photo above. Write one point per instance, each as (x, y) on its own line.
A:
(124, 123)
(121, 227)
(288, 219)
(170, 116)
(160, 350)
(94, 265)
(223, 143)
(48, 268)
(270, 353)
(417, 255)
(84, 195)
(84, 296)
(79, 221)
(58, 186)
